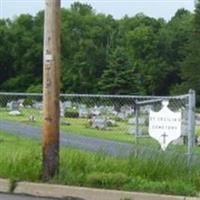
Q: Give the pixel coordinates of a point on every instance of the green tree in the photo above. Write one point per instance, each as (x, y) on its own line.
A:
(26, 51)
(191, 63)
(84, 48)
(6, 58)
(119, 77)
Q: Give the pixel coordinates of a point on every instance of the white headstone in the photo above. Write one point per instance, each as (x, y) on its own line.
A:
(133, 121)
(198, 141)
(121, 115)
(38, 105)
(67, 104)
(95, 111)
(99, 122)
(62, 109)
(132, 130)
(83, 112)
(198, 119)
(165, 125)
(13, 106)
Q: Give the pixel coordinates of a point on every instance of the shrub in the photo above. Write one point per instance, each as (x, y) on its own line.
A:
(28, 102)
(71, 114)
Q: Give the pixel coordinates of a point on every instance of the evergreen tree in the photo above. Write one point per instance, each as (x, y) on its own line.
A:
(119, 77)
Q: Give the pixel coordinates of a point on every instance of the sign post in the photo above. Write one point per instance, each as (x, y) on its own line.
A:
(51, 91)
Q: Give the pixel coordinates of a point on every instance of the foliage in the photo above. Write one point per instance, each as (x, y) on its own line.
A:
(99, 54)
(119, 77)
(71, 113)
(191, 63)
(28, 102)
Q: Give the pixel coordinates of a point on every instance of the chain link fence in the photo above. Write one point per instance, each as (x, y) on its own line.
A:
(111, 117)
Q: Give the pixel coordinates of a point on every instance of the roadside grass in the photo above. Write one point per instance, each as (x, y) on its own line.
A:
(20, 159)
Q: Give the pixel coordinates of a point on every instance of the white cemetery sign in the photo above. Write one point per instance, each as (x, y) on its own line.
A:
(165, 125)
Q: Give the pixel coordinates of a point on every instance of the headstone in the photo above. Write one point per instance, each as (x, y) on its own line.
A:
(13, 106)
(31, 118)
(198, 119)
(198, 140)
(121, 116)
(132, 130)
(102, 109)
(21, 103)
(67, 104)
(99, 122)
(82, 106)
(62, 109)
(133, 121)
(109, 109)
(165, 125)
(114, 112)
(83, 112)
(127, 110)
(38, 105)
(96, 111)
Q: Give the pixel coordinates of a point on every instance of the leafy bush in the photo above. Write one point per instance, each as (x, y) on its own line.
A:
(28, 102)
(71, 114)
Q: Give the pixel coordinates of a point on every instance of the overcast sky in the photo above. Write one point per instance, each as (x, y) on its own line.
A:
(117, 8)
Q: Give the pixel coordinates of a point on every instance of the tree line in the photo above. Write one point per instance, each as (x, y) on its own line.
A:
(99, 54)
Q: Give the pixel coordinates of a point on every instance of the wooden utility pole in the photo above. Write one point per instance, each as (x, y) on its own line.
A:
(51, 88)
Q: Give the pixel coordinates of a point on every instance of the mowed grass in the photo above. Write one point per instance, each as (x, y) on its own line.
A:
(78, 126)
(20, 159)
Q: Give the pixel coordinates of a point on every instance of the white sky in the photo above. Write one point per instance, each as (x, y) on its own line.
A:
(117, 8)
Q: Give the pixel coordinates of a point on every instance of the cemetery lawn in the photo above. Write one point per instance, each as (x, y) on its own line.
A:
(78, 126)
(20, 159)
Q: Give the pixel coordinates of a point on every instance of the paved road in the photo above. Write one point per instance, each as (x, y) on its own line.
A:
(20, 197)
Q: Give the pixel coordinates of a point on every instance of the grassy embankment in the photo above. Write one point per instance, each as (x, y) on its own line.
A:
(20, 159)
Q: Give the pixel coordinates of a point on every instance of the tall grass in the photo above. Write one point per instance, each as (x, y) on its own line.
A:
(20, 159)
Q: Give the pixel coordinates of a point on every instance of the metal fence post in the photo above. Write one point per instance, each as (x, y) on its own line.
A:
(137, 128)
(191, 123)
(137, 120)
